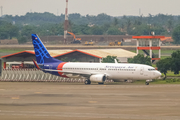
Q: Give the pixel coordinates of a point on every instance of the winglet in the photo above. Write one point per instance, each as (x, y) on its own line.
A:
(115, 60)
(36, 64)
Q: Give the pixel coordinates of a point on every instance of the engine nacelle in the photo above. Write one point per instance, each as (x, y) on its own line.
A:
(98, 78)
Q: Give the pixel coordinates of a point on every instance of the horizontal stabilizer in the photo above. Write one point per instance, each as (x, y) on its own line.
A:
(36, 65)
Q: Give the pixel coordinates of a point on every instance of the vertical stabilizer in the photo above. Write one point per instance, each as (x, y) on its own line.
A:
(42, 55)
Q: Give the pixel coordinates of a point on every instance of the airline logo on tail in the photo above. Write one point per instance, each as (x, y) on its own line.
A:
(42, 55)
(40, 51)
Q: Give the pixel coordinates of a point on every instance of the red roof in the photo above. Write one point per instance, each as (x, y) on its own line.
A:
(31, 52)
(167, 39)
(77, 51)
(148, 37)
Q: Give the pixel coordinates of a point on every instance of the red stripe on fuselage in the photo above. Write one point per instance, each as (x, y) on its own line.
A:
(60, 67)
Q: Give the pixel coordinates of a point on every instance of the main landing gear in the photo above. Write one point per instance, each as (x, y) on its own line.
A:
(87, 82)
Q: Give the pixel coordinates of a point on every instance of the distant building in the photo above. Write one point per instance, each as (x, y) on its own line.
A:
(86, 55)
(167, 40)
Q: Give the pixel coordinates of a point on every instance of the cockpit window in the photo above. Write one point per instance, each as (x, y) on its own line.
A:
(151, 69)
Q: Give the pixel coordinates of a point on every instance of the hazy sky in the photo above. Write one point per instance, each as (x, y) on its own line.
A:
(92, 7)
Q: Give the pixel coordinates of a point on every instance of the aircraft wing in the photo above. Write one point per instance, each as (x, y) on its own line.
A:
(84, 74)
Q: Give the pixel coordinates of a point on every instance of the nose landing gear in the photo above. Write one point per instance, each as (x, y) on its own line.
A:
(147, 82)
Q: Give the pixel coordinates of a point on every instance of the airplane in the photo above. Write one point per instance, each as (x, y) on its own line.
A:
(93, 72)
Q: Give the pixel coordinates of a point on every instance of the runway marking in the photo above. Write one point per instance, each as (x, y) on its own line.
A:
(37, 92)
(20, 114)
(92, 101)
(89, 115)
(15, 98)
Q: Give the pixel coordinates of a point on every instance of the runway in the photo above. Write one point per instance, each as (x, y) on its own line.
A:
(59, 101)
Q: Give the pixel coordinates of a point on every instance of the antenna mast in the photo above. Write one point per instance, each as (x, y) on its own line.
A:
(1, 11)
(66, 22)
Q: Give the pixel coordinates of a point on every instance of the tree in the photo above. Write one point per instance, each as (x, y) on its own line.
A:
(176, 35)
(140, 30)
(170, 25)
(22, 40)
(3, 33)
(140, 59)
(13, 31)
(128, 25)
(159, 30)
(175, 62)
(164, 65)
(56, 29)
(81, 29)
(96, 30)
(109, 59)
(7, 30)
(28, 30)
(115, 22)
(114, 31)
(105, 27)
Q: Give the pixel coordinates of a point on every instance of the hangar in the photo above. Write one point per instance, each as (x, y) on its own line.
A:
(24, 58)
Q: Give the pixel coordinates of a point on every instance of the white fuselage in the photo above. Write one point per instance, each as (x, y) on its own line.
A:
(117, 72)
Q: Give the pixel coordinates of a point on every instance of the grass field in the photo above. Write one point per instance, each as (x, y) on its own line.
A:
(4, 52)
(163, 57)
(167, 81)
(164, 53)
(156, 51)
(171, 74)
(140, 82)
(11, 50)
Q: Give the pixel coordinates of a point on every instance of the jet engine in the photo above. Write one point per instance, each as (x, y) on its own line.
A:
(98, 78)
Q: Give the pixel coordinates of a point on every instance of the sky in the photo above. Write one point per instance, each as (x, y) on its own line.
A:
(92, 7)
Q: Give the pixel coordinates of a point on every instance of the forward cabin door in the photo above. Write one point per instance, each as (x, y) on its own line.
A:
(142, 71)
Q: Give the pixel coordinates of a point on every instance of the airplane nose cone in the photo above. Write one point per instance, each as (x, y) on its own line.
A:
(158, 74)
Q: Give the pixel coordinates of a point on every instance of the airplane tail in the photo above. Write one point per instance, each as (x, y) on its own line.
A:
(42, 55)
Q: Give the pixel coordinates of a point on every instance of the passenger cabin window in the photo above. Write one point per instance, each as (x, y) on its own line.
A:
(151, 69)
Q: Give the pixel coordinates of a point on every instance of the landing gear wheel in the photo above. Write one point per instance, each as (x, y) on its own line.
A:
(147, 83)
(87, 82)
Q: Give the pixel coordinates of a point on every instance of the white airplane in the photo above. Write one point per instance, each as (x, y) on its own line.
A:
(93, 72)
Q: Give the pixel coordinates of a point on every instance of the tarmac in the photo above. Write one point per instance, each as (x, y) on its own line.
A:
(76, 101)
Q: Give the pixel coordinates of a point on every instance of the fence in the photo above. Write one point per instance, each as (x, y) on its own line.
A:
(34, 75)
